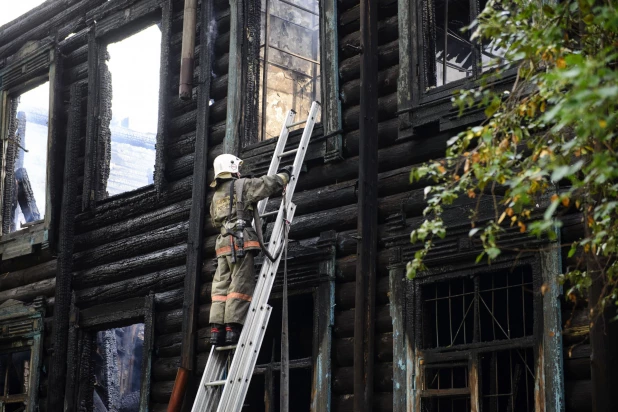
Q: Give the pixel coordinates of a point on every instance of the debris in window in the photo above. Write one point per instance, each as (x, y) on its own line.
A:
(26, 185)
(135, 109)
(118, 369)
(14, 373)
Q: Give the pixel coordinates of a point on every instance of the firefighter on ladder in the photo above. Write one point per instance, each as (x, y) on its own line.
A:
(237, 244)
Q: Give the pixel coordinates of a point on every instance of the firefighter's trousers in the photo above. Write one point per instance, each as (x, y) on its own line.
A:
(232, 289)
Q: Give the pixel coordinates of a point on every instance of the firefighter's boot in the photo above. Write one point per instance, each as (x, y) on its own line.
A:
(217, 334)
(232, 333)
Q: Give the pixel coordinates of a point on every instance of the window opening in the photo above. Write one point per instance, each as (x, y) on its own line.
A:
(118, 368)
(470, 315)
(14, 380)
(508, 380)
(265, 383)
(13, 9)
(450, 54)
(134, 67)
(289, 62)
(26, 154)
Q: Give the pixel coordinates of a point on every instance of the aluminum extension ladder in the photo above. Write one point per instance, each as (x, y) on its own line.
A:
(224, 385)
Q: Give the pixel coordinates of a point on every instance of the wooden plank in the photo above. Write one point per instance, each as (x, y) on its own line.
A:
(164, 97)
(396, 279)
(113, 314)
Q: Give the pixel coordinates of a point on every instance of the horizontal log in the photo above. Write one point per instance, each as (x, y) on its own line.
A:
(70, 44)
(166, 368)
(387, 84)
(67, 13)
(349, 20)
(343, 379)
(171, 214)
(350, 44)
(110, 212)
(171, 321)
(389, 158)
(76, 57)
(130, 267)
(169, 345)
(161, 391)
(345, 293)
(10, 280)
(34, 18)
(158, 239)
(346, 267)
(185, 123)
(387, 106)
(159, 281)
(343, 350)
(344, 322)
(388, 56)
(28, 292)
(169, 299)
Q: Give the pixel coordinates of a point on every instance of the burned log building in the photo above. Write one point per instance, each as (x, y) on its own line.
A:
(105, 293)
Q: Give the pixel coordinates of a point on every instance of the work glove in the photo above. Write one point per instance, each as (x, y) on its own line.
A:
(287, 170)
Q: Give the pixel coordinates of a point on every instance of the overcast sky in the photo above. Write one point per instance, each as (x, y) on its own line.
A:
(134, 63)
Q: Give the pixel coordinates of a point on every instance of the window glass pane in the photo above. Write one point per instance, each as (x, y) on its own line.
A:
(31, 157)
(448, 51)
(118, 368)
(15, 372)
(292, 81)
(134, 66)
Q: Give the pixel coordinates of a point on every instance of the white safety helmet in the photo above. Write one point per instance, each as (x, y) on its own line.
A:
(224, 166)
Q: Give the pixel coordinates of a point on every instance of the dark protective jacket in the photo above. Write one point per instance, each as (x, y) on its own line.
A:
(254, 190)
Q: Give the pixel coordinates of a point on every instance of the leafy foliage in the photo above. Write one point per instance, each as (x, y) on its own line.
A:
(551, 136)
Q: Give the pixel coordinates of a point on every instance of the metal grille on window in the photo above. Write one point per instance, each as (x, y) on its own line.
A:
(290, 61)
(463, 320)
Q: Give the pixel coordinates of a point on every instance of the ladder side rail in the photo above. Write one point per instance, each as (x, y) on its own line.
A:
(249, 364)
(264, 285)
(262, 292)
(232, 384)
(302, 150)
(279, 148)
(214, 393)
(214, 367)
(247, 352)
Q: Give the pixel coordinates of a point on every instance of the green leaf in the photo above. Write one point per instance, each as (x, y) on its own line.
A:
(493, 252)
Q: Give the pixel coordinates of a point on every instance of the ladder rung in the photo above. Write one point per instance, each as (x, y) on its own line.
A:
(274, 212)
(228, 347)
(297, 123)
(216, 383)
(289, 152)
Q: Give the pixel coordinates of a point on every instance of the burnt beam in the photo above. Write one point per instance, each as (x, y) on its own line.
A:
(196, 219)
(62, 303)
(367, 227)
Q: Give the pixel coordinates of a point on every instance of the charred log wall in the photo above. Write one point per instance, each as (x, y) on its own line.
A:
(136, 243)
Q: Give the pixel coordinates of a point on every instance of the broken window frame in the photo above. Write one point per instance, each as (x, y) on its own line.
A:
(24, 74)
(470, 353)
(115, 23)
(416, 105)
(21, 328)
(84, 325)
(236, 140)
